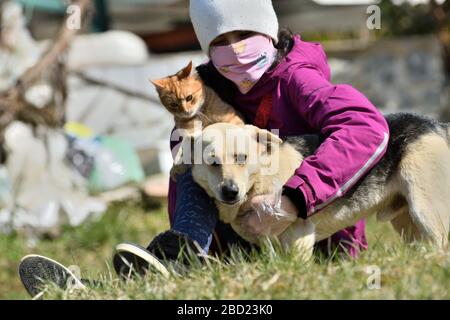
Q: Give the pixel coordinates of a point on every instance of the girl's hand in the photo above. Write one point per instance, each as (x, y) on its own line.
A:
(271, 215)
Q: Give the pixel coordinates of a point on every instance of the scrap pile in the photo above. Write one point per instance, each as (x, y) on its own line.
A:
(49, 168)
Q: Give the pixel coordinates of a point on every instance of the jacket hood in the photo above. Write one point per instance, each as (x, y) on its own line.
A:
(303, 55)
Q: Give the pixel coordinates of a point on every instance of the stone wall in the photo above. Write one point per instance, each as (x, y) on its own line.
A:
(397, 75)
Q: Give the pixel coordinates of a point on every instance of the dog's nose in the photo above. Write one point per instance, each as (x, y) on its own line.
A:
(230, 190)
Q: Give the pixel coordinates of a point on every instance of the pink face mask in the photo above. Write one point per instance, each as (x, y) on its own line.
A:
(246, 61)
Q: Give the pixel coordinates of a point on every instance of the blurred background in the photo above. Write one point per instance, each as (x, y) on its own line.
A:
(84, 127)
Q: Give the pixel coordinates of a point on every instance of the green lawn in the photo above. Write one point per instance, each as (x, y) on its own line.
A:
(406, 271)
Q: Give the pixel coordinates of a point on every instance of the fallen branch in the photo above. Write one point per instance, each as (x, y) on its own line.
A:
(85, 77)
(13, 102)
(58, 48)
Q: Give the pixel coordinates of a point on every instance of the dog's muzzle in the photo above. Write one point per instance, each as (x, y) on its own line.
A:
(229, 192)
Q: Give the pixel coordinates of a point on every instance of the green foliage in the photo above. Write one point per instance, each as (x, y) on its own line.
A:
(405, 19)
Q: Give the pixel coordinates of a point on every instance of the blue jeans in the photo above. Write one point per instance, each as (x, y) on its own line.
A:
(196, 215)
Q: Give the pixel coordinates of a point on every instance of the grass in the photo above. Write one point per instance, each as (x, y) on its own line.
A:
(407, 272)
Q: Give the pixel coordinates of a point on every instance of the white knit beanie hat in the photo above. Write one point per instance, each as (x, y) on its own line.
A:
(211, 18)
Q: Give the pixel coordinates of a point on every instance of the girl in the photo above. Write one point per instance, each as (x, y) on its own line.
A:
(277, 81)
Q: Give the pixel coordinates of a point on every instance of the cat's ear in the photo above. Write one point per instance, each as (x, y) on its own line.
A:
(186, 72)
(159, 84)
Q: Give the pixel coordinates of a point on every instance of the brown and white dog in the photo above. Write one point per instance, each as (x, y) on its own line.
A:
(410, 186)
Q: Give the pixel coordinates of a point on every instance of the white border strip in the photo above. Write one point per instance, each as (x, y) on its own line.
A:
(358, 174)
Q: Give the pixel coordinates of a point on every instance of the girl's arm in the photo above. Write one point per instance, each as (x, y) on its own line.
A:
(357, 137)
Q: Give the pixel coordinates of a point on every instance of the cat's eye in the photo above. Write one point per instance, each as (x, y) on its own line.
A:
(174, 105)
(189, 98)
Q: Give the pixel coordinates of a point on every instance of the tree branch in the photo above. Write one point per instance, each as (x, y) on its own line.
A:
(60, 45)
(12, 101)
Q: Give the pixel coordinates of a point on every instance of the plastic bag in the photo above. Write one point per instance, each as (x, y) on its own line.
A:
(116, 163)
(108, 162)
(273, 207)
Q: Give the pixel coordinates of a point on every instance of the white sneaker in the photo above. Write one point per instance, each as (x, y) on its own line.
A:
(132, 258)
(35, 271)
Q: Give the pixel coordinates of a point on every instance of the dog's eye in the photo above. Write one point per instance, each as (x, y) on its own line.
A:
(240, 159)
(189, 98)
(174, 105)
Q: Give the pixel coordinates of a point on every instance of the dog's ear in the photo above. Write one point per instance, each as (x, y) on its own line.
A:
(188, 148)
(185, 72)
(264, 137)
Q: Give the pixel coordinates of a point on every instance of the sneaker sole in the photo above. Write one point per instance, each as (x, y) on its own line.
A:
(140, 252)
(36, 270)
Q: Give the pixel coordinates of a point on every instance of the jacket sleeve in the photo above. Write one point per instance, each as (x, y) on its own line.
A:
(356, 137)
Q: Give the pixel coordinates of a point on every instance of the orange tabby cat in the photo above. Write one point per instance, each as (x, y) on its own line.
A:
(188, 99)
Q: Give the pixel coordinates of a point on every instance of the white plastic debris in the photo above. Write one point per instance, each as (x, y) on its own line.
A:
(18, 50)
(39, 95)
(108, 48)
(40, 191)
